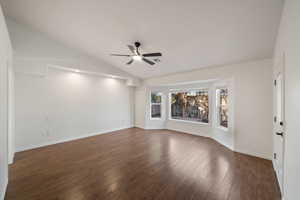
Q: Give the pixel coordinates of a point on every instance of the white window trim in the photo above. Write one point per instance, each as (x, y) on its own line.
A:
(218, 126)
(155, 118)
(190, 121)
(222, 128)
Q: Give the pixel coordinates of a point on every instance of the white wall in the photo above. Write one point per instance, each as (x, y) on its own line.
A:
(252, 83)
(5, 65)
(140, 98)
(65, 105)
(53, 104)
(11, 114)
(288, 43)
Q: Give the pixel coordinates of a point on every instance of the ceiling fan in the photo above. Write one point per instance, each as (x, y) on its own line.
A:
(137, 56)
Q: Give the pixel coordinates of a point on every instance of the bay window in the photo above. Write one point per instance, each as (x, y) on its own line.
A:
(192, 105)
(222, 107)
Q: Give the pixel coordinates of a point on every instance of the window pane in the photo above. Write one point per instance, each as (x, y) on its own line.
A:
(223, 107)
(155, 105)
(155, 98)
(155, 111)
(191, 106)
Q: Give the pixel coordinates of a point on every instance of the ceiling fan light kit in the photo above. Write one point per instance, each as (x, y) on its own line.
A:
(137, 56)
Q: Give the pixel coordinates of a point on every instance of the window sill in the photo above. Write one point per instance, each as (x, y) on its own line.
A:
(222, 128)
(191, 122)
(155, 119)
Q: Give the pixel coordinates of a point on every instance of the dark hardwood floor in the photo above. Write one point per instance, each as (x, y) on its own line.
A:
(135, 164)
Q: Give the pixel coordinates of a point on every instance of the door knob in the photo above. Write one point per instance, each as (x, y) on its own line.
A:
(279, 133)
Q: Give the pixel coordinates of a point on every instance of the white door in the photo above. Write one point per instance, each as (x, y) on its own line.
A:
(279, 129)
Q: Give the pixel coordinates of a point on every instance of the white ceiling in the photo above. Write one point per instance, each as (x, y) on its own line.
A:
(190, 34)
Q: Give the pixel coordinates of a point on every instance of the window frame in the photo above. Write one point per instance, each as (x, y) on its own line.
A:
(217, 107)
(161, 99)
(189, 90)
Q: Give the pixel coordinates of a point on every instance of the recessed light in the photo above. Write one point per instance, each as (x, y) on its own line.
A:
(77, 70)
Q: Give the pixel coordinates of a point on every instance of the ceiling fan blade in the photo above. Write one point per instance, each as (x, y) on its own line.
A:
(148, 61)
(131, 48)
(120, 55)
(130, 62)
(152, 54)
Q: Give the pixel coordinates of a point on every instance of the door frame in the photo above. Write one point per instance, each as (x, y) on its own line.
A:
(279, 69)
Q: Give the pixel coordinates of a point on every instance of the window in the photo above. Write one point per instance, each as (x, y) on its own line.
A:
(222, 107)
(155, 105)
(190, 106)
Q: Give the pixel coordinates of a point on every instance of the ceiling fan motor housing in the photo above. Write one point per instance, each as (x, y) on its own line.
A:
(137, 44)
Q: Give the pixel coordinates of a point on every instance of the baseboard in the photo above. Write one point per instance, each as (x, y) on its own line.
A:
(19, 149)
(191, 133)
(222, 143)
(273, 164)
(215, 139)
(252, 154)
(276, 177)
(227, 146)
(3, 189)
(11, 159)
(137, 126)
(153, 128)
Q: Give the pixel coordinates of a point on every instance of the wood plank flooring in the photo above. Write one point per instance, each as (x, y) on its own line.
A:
(135, 164)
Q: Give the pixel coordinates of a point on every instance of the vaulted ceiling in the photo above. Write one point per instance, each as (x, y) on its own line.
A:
(190, 34)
